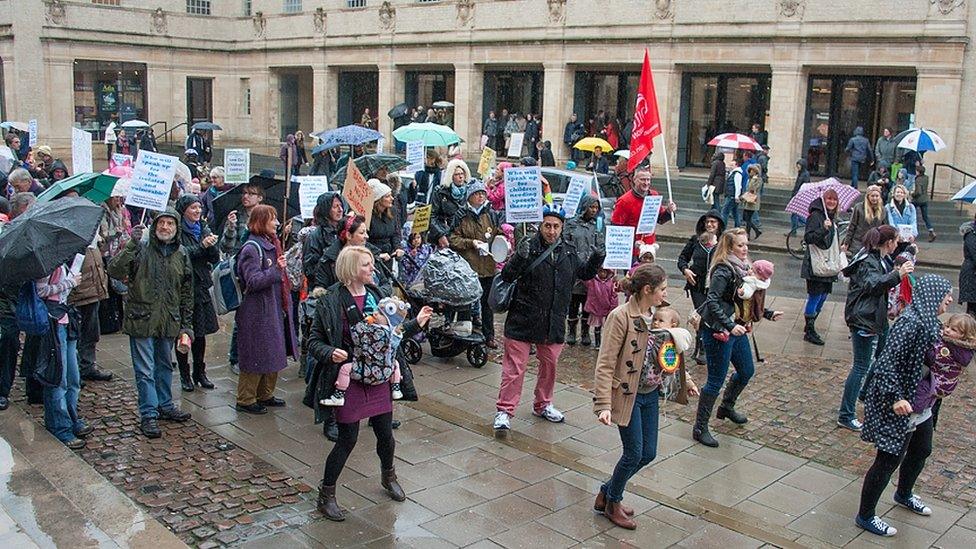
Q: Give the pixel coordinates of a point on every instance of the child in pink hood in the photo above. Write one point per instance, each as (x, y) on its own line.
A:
(496, 186)
(601, 298)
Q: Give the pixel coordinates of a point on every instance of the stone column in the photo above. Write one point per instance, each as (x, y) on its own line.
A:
(57, 133)
(787, 107)
(557, 105)
(468, 81)
(390, 80)
(667, 85)
(936, 108)
(320, 98)
(330, 90)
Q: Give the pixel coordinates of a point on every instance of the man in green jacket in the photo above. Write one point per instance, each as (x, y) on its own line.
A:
(159, 309)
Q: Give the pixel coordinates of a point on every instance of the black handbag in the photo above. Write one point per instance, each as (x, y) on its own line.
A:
(500, 296)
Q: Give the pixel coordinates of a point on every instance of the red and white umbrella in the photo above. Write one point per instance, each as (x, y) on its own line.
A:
(735, 141)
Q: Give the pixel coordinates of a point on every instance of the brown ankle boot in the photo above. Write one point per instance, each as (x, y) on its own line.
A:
(600, 504)
(391, 485)
(328, 505)
(617, 516)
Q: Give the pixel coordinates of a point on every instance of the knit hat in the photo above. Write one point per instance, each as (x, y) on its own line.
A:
(184, 202)
(45, 150)
(764, 269)
(474, 186)
(379, 189)
(528, 161)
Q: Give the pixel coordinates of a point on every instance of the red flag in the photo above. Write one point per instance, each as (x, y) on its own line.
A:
(647, 121)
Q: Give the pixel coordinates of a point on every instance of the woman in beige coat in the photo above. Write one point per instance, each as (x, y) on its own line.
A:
(626, 386)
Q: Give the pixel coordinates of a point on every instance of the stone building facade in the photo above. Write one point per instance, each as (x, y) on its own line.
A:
(807, 71)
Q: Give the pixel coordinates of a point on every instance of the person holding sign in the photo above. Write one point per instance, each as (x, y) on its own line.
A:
(902, 216)
(628, 209)
(585, 232)
(159, 309)
(426, 180)
(450, 196)
(384, 229)
(537, 315)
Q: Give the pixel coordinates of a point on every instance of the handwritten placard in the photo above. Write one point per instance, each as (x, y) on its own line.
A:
(487, 162)
(152, 180)
(619, 246)
(237, 166)
(906, 233)
(81, 151)
(649, 212)
(523, 195)
(310, 187)
(421, 219)
(415, 156)
(380, 145)
(515, 145)
(578, 185)
(121, 159)
(32, 130)
(357, 192)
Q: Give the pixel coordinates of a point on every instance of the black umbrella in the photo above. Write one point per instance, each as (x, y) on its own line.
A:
(205, 126)
(369, 164)
(400, 110)
(274, 195)
(45, 236)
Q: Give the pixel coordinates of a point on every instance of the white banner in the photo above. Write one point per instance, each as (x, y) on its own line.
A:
(649, 213)
(81, 151)
(515, 145)
(619, 246)
(152, 180)
(415, 156)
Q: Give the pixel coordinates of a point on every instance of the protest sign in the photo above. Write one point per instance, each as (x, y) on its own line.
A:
(523, 195)
(906, 233)
(357, 192)
(619, 246)
(310, 187)
(487, 162)
(81, 151)
(578, 185)
(515, 145)
(122, 159)
(415, 156)
(237, 166)
(421, 219)
(649, 211)
(32, 130)
(152, 180)
(380, 145)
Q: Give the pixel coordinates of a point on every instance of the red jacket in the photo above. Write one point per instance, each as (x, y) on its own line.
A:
(627, 212)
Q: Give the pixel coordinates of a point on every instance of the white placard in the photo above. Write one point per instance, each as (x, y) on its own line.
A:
(649, 212)
(523, 195)
(380, 145)
(78, 261)
(81, 151)
(515, 145)
(578, 185)
(237, 166)
(32, 131)
(619, 246)
(906, 233)
(152, 180)
(310, 187)
(415, 156)
(122, 159)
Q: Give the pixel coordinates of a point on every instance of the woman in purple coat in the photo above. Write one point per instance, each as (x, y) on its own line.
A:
(266, 336)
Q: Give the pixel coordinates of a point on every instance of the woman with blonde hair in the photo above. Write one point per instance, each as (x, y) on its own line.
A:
(725, 337)
(866, 215)
(450, 195)
(901, 212)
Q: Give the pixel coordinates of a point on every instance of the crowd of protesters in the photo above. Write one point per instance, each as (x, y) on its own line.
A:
(312, 286)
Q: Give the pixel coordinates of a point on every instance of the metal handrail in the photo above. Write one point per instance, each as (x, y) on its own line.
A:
(935, 170)
(171, 130)
(163, 122)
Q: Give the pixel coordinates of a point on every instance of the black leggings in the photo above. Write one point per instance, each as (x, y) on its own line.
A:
(748, 215)
(912, 461)
(348, 435)
(576, 303)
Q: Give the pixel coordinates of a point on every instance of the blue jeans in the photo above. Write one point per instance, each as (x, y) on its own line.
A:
(152, 361)
(923, 210)
(61, 402)
(731, 206)
(718, 355)
(796, 222)
(864, 346)
(855, 172)
(639, 440)
(814, 305)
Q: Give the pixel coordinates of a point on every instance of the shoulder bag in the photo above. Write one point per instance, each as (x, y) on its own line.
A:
(500, 296)
(829, 262)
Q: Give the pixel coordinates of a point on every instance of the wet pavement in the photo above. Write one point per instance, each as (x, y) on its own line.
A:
(786, 479)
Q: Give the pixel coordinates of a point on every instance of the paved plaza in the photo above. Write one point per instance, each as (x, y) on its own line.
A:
(788, 478)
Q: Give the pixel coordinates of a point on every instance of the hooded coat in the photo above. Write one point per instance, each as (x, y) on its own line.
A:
(585, 235)
(202, 260)
(160, 280)
(817, 235)
(967, 272)
(897, 371)
(859, 147)
(696, 257)
(264, 319)
(321, 237)
(57, 165)
(867, 295)
(540, 303)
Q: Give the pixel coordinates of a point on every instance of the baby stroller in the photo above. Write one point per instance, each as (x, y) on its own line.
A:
(446, 283)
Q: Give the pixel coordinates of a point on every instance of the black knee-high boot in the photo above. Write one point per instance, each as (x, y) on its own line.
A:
(810, 330)
(700, 431)
(182, 360)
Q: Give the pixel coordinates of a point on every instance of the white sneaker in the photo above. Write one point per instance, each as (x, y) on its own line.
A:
(462, 328)
(550, 413)
(501, 421)
(333, 401)
(397, 395)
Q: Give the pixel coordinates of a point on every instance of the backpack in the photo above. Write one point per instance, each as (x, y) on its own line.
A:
(226, 290)
(31, 311)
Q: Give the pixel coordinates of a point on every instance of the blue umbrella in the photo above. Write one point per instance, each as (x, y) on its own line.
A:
(966, 194)
(347, 135)
(920, 140)
(319, 148)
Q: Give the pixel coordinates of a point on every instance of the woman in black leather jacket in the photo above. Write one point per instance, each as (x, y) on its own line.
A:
(725, 337)
(693, 262)
(866, 310)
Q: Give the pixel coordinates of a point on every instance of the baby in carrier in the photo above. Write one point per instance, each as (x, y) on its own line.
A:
(375, 342)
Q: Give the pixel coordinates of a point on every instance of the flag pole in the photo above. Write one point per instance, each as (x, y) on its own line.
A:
(667, 170)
